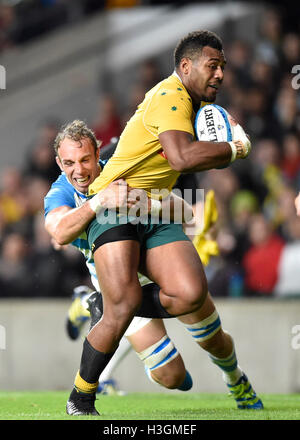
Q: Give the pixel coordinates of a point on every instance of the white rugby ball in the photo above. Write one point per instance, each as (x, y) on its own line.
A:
(213, 123)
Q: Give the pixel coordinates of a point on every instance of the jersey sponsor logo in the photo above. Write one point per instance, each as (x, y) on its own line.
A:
(210, 124)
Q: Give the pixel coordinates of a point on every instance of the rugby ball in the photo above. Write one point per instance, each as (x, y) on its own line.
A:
(213, 123)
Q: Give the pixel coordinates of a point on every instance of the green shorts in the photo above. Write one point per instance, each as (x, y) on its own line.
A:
(148, 234)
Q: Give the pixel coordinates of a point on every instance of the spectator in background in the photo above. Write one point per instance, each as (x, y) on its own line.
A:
(226, 278)
(288, 284)
(41, 159)
(261, 261)
(15, 270)
(291, 51)
(35, 189)
(149, 74)
(232, 96)
(239, 58)
(225, 184)
(38, 17)
(107, 124)
(265, 172)
(268, 47)
(12, 195)
(290, 162)
(2, 226)
(136, 96)
(285, 210)
(225, 273)
(263, 77)
(242, 206)
(260, 121)
(54, 273)
(286, 108)
(7, 26)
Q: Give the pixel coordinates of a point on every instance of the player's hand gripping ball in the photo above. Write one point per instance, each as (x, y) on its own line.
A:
(213, 123)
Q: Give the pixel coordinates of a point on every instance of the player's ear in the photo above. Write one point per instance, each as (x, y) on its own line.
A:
(58, 162)
(185, 65)
(98, 154)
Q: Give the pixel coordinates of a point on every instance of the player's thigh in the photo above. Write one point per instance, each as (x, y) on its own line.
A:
(176, 268)
(116, 266)
(116, 252)
(115, 247)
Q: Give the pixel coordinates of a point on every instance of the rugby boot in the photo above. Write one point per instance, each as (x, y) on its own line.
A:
(244, 394)
(77, 313)
(95, 308)
(81, 404)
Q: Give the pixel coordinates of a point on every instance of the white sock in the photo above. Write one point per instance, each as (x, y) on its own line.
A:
(231, 370)
(121, 352)
(85, 298)
(233, 377)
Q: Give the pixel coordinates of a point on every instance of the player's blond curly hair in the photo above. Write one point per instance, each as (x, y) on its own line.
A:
(76, 130)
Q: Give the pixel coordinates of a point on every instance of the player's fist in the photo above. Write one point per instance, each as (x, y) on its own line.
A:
(241, 142)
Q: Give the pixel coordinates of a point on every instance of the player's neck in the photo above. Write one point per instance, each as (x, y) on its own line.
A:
(177, 76)
(194, 101)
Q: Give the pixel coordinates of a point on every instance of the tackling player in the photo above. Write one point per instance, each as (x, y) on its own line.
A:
(67, 213)
(155, 147)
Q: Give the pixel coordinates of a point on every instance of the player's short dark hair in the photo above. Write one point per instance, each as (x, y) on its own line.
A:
(192, 44)
(76, 131)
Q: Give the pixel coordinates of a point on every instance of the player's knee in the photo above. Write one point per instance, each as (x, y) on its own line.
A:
(193, 297)
(124, 303)
(126, 309)
(170, 377)
(186, 299)
(117, 316)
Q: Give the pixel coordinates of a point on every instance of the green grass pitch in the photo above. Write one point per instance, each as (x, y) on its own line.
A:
(50, 405)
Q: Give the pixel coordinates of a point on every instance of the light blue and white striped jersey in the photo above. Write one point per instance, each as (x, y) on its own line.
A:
(62, 193)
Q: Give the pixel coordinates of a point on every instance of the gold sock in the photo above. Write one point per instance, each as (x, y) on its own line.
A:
(83, 386)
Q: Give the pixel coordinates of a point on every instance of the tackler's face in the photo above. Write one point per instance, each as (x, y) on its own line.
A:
(79, 161)
(204, 75)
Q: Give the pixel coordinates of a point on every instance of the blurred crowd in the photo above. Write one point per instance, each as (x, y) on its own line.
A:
(22, 21)
(258, 230)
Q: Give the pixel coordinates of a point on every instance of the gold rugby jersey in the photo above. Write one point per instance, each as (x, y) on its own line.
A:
(139, 158)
